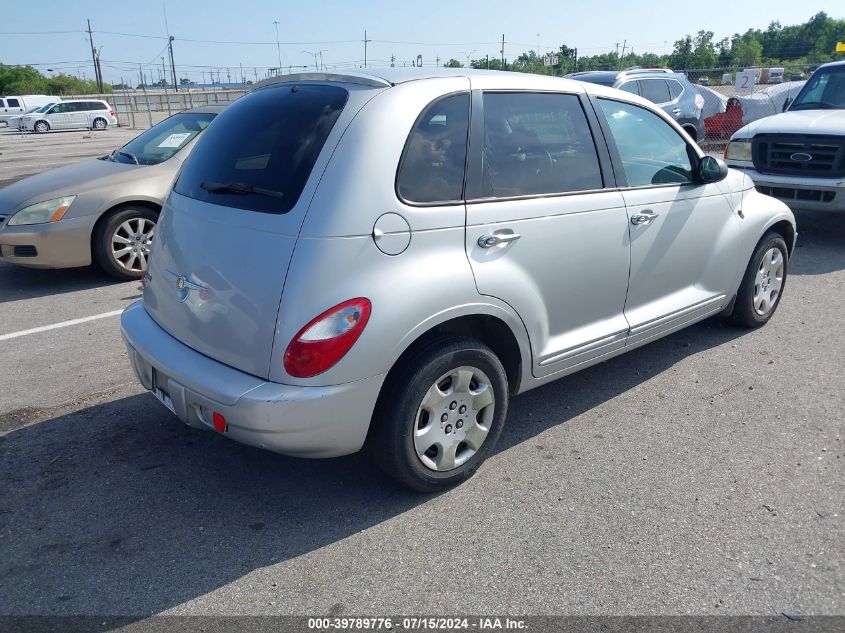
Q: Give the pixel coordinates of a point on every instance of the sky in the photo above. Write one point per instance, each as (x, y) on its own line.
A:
(228, 35)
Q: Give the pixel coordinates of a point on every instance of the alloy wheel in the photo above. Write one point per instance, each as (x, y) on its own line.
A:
(768, 281)
(130, 244)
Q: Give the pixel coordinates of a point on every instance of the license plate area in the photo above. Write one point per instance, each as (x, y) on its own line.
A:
(160, 393)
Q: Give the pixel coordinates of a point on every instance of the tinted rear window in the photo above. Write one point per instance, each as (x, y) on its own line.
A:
(267, 140)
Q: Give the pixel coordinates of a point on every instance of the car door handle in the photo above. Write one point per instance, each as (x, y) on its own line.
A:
(676, 111)
(645, 217)
(489, 241)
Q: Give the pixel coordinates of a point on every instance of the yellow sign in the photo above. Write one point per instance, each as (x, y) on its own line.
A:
(840, 47)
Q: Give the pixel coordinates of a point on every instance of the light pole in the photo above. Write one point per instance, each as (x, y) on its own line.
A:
(278, 50)
(318, 53)
(468, 55)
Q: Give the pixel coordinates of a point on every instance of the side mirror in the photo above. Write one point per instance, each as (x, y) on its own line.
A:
(711, 170)
(786, 104)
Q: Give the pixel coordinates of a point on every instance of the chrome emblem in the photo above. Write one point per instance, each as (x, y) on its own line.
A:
(184, 287)
(801, 157)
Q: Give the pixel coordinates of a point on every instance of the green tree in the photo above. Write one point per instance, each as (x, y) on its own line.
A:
(453, 63)
(746, 51)
(18, 80)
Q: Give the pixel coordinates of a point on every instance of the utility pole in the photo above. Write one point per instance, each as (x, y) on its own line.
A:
(503, 52)
(278, 50)
(366, 41)
(438, 61)
(624, 46)
(392, 61)
(163, 71)
(94, 59)
(575, 69)
(172, 64)
(99, 71)
(243, 83)
(228, 76)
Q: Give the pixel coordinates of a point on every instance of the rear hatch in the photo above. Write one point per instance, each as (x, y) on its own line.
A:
(227, 232)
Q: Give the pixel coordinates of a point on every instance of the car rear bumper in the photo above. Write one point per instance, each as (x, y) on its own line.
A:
(62, 244)
(816, 194)
(302, 421)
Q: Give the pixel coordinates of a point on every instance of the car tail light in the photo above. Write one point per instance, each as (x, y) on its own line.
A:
(112, 113)
(326, 339)
(699, 102)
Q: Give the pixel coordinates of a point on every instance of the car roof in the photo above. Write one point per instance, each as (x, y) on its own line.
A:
(832, 64)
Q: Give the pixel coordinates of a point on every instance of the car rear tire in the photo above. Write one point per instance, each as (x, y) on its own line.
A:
(99, 124)
(122, 242)
(42, 126)
(440, 414)
(763, 283)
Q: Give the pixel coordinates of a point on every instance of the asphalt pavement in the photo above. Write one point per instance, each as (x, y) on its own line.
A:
(701, 474)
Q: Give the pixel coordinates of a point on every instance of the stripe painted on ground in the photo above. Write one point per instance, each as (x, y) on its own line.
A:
(56, 326)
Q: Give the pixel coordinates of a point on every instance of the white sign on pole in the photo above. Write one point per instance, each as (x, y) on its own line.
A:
(745, 80)
(550, 60)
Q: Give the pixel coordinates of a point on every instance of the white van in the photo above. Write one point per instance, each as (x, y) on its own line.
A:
(18, 104)
(69, 115)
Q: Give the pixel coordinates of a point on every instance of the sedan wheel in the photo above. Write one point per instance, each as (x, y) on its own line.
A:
(122, 241)
(130, 244)
(41, 126)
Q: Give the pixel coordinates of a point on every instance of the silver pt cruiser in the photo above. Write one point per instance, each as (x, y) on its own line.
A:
(381, 260)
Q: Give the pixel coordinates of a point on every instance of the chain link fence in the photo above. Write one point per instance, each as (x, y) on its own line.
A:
(728, 106)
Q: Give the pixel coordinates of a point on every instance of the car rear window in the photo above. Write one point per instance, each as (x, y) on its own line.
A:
(258, 153)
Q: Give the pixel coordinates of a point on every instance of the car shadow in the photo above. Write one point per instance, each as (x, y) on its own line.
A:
(119, 509)
(821, 243)
(17, 283)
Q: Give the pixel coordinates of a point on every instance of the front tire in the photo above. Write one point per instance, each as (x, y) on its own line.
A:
(42, 126)
(440, 414)
(763, 283)
(121, 243)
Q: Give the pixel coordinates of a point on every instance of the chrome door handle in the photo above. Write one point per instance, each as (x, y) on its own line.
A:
(676, 111)
(646, 217)
(489, 241)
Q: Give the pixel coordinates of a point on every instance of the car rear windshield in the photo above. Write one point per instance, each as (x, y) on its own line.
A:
(259, 152)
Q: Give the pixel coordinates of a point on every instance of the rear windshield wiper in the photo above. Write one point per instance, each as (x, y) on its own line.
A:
(240, 188)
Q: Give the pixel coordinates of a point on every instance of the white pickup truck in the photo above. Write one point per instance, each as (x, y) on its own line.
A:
(798, 156)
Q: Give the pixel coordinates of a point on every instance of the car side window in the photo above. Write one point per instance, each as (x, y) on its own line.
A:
(652, 152)
(59, 108)
(630, 86)
(13, 103)
(536, 143)
(675, 88)
(99, 105)
(432, 165)
(655, 90)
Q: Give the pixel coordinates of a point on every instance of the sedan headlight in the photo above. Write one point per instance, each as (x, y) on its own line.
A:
(42, 212)
(739, 150)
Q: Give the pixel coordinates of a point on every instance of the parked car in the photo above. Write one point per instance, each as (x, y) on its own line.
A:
(17, 105)
(672, 91)
(704, 81)
(798, 156)
(776, 75)
(103, 210)
(88, 114)
(386, 258)
(15, 121)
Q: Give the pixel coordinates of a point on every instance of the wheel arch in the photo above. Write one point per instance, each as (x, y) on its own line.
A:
(786, 230)
(115, 208)
(487, 328)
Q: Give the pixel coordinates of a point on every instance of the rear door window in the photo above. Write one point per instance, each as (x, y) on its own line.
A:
(260, 151)
(13, 103)
(675, 88)
(432, 165)
(536, 143)
(630, 86)
(655, 90)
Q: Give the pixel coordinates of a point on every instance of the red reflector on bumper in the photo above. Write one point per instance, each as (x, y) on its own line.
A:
(219, 422)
